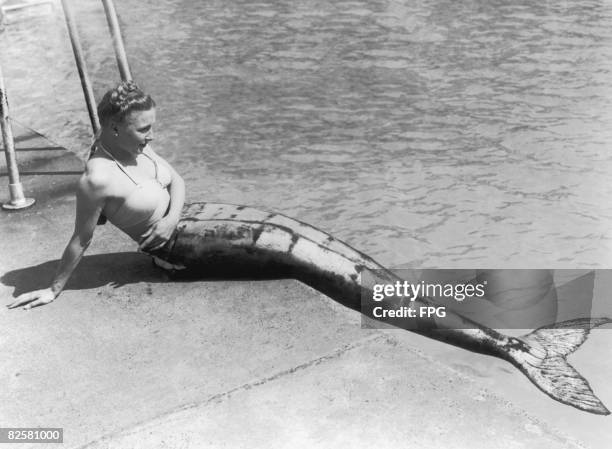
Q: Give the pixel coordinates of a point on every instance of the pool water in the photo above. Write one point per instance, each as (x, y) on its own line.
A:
(425, 133)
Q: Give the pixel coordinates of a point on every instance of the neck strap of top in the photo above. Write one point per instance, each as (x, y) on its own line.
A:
(122, 167)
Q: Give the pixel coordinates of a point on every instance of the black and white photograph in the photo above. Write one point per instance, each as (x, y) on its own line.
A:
(306, 224)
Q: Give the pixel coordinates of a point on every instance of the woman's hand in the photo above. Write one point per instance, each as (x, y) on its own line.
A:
(157, 236)
(34, 299)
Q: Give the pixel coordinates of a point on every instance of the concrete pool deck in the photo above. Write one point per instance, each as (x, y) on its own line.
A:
(127, 357)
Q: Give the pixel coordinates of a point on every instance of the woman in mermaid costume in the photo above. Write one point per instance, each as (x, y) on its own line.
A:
(126, 182)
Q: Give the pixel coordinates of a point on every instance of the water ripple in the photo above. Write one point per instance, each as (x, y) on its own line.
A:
(435, 132)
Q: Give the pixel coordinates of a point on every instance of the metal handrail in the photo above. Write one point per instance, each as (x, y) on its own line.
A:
(18, 200)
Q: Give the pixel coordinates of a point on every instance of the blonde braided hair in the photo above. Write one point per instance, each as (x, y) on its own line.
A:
(119, 101)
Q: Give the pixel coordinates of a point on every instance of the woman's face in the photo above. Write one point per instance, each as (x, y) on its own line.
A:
(135, 131)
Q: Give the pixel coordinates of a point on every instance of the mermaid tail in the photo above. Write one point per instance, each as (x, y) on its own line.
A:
(544, 362)
(228, 241)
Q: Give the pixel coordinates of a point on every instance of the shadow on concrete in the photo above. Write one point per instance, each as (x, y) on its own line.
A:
(23, 137)
(35, 173)
(93, 271)
(40, 149)
(47, 174)
(119, 269)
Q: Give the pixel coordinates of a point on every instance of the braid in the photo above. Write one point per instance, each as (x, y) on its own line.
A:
(124, 98)
(120, 96)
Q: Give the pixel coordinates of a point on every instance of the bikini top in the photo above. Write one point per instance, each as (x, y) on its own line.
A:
(146, 204)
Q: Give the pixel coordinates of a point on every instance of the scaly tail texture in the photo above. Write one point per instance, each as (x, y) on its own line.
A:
(544, 362)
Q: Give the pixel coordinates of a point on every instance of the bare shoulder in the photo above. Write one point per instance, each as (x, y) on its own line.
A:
(173, 173)
(151, 152)
(97, 175)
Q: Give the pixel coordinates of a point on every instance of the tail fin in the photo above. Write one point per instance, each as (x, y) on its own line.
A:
(546, 366)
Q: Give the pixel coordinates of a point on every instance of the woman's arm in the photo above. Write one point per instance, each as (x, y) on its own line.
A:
(160, 233)
(90, 201)
(177, 196)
